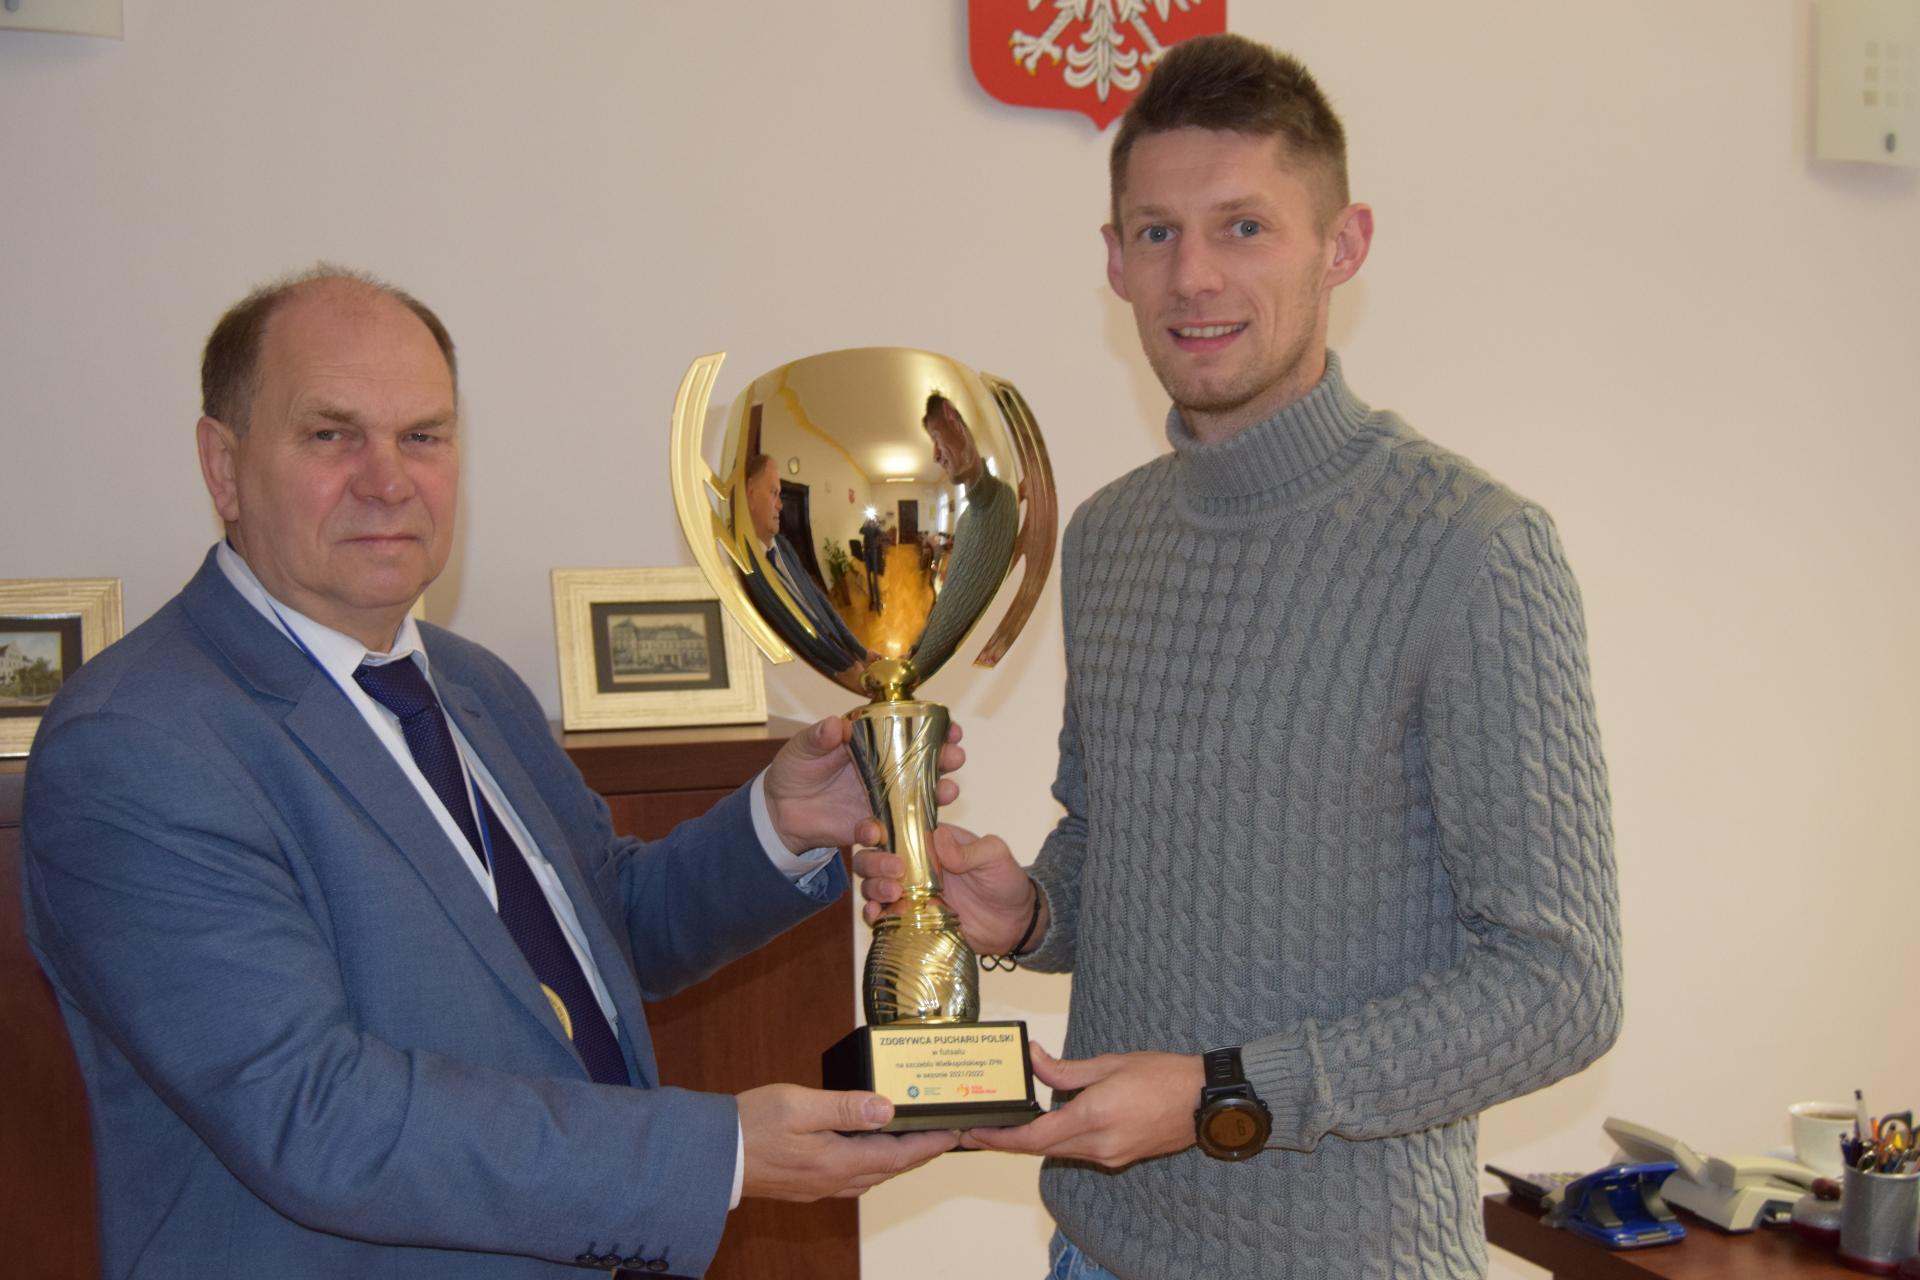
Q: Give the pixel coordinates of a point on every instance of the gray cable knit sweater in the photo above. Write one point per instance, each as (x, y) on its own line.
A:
(1333, 792)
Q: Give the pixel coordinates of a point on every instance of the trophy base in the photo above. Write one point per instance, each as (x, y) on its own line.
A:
(940, 1075)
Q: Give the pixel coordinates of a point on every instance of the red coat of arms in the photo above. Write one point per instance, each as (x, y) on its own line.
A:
(1089, 56)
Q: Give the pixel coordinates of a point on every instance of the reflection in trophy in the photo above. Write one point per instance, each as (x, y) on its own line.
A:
(918, 484)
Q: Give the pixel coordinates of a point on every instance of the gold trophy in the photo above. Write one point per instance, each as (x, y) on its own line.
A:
(866, 509)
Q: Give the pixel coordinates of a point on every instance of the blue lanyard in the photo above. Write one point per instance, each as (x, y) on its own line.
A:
(473, 790)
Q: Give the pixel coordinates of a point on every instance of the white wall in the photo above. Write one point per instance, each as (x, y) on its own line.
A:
(1606, 269)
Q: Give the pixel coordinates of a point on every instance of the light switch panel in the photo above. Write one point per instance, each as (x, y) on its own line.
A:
(1867, 86)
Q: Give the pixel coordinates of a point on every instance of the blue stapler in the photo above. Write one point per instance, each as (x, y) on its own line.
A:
(1619, 1206)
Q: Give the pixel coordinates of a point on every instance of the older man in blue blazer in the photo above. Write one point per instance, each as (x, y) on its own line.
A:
(351, 957)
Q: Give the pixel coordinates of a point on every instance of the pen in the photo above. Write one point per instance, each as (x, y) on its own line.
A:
(1860, 1129)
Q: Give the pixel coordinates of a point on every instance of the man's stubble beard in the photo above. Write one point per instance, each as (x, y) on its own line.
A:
(1245, 386)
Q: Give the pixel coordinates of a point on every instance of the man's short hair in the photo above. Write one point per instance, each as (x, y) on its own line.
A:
(934, 402)
(230, 365)
(757, 464)
(1231, 83)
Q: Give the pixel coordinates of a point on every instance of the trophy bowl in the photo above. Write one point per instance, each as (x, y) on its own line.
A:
(866, 509)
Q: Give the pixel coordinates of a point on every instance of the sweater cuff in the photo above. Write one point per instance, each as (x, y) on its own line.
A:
(1055, 952)
(1287, 1074)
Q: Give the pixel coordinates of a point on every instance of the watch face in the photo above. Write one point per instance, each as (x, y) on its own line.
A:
(1233, 1129)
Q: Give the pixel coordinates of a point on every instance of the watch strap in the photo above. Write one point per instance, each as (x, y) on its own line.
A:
(1223, 1070)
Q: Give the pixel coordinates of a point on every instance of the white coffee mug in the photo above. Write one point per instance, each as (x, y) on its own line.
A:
(1817, 1128)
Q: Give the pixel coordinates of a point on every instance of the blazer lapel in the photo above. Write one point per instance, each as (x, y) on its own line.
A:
(326, 724)
(610, 956)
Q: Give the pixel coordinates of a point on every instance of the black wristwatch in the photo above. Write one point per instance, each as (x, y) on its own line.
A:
(1232, 1123)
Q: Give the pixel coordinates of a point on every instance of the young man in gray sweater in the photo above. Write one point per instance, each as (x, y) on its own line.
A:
(1336, 871)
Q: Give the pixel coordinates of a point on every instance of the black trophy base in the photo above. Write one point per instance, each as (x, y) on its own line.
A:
(945, 1075)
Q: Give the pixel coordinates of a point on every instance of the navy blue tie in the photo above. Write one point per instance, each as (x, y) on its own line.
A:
(401, 688)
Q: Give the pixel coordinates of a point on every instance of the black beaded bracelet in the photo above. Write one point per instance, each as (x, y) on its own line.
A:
(1009, 960)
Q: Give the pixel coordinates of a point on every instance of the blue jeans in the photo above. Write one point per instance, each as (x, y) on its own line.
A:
(1068, 1263)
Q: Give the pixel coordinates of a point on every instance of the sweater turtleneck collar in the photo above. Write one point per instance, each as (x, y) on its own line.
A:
(1276, 461)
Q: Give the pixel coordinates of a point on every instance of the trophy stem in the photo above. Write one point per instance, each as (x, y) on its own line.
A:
(919, 968)
(896, 747)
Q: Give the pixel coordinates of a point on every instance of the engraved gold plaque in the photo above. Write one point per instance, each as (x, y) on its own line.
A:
(940, 1076)
(911, 487)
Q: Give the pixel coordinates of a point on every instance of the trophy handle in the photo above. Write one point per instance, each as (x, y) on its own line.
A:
(1034, 546)
(695, 486)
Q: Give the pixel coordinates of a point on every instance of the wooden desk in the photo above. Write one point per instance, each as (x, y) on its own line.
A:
(1771, 1253)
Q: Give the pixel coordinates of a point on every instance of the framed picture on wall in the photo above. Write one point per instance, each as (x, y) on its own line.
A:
(48, 627)
(651, 648)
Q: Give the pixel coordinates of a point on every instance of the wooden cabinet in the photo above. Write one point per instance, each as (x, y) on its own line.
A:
(761, 1020)
(47, 1227)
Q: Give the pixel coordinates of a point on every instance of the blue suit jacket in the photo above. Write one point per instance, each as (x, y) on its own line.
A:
(310, 1046)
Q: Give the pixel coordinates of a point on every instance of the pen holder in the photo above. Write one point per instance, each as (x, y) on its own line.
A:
(1879, 1220)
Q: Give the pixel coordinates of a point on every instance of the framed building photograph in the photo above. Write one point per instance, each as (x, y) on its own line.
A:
(651, 648)
(48, 627)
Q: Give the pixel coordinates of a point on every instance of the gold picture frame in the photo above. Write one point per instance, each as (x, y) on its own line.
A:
(48, 627)
(651, 648)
